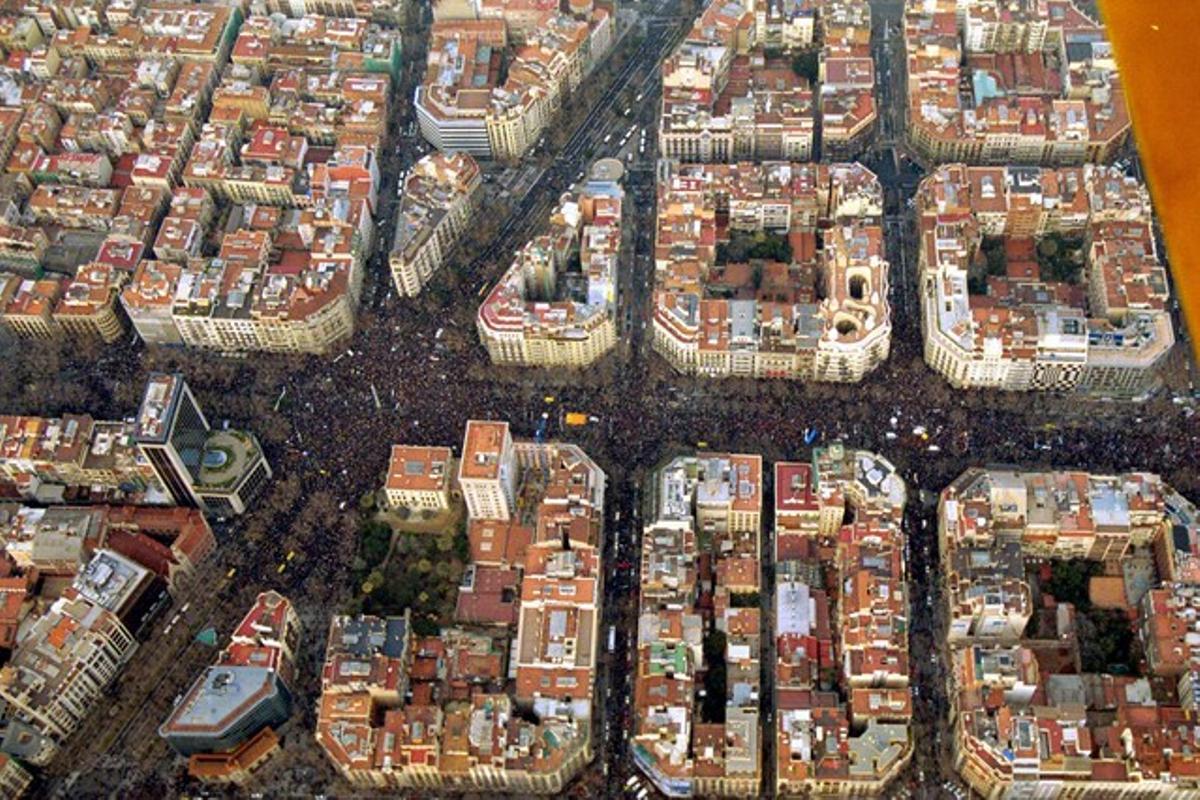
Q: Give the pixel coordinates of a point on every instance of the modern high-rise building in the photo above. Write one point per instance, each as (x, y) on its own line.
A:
(219, 471)
(171, 430)
(487, 471)
(233, 471)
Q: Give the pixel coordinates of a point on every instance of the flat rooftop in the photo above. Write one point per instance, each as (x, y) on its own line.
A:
(109, 579)
(482, 448)
(418, 468)
(158, 406)
(219, 698)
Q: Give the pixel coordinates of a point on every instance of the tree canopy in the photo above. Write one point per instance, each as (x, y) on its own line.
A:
(1060, 258)
(807, 64)
(743, 246)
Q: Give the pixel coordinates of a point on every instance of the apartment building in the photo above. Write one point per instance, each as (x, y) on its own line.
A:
(462, 68)
(283, 281)
(247, 108)
(1102, 333)
(487, 471)
(549, 311)
(120, 585)
(145, 547)
(285, 318)
(841, 606)
(689, 739)
(58, 673)
(505, 704)
(544, 54)
(995, 82)
(88, 308)
(724, 100)
(438, 205)
(148, 299)
(801, 313)
(22, 249)
(57, 541)
(555, 673)
(381, 11)
(15, 780)
(169, 541)
(201, 34)
(785, 24)
(847, 75)
(138, 216)
(28, 306)
(82, 581)
(731, 93)
(189, 215)
(760, 109)
(42, 456)
(1032, 713)
(74, 206)
(167, 452)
